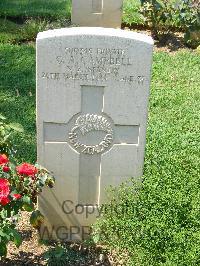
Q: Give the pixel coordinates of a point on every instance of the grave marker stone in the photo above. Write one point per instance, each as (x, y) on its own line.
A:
(97, 13)
(97, 6)
(92, 99)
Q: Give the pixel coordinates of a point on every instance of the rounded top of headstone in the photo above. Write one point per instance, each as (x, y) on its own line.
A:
(95, 31)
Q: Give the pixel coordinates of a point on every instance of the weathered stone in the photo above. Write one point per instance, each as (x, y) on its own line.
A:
(92, 99)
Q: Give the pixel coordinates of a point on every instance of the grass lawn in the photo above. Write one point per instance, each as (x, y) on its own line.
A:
(14, 33)
(17, 94)
(35, 8)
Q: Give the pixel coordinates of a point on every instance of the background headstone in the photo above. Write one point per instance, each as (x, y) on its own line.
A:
(92, 100)
(97, 13)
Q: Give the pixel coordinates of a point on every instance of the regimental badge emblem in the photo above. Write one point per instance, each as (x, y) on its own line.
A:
(87, 124)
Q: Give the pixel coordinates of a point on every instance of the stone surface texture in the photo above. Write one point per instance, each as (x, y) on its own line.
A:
(92, 104)
(97, 13)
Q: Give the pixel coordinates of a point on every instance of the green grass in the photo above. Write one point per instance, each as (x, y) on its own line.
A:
(17, 94)
(9, 31)
(14, 33)
(162, 224)
(36, 8)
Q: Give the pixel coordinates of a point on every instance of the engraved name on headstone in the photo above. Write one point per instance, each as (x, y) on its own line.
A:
(92, 99)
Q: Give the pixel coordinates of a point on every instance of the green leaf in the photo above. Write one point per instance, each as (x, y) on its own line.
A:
(28, 204)
(2, 117)
(36, 219)
(43, 179)
(26, 182)
(17, 127)
(96, 238)
(2, 233)
(3, 214)
(13, 234)
(59, 251)
(43, 242)
(26, 199)
(28, 207)
(3, 249)
(6, 137)
(17, 238)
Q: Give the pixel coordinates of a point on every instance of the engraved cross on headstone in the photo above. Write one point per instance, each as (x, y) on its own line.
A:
(91, 133)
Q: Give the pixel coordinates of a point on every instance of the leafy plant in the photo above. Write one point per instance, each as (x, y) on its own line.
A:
(75, 254)
(162, 15)
(19, 187)
(56, 256)
(131, 12)
(9, 31)
(32, 27)
(187, 13)
(187, 16)
(7, 131)
(157, 15)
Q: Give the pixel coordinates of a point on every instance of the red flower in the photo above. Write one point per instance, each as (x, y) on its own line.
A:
(3, 159)
(27, 169)
(5, 201)
(4, 191)
(17, 196)
(6, 168)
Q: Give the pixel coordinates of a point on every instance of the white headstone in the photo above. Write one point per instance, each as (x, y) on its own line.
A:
(92, 99)
(97, 13)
